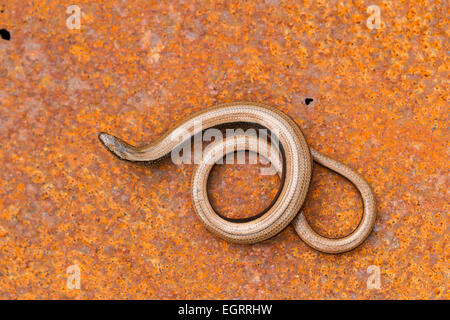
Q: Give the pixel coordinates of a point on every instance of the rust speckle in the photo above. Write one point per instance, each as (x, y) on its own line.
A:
(380, 106)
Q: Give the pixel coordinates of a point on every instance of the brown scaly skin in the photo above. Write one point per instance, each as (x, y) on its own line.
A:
(295, 171)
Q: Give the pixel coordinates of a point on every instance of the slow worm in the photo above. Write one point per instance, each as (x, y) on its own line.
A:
(293, 161)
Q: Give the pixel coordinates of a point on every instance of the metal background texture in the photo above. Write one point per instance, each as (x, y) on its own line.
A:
(380, 105)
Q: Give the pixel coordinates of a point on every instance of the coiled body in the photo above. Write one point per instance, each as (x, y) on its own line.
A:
(292, 160)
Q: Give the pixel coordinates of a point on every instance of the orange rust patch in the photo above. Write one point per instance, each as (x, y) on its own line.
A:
(380, 106)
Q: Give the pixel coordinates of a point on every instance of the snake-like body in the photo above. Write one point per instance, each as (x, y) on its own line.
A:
(293, 161)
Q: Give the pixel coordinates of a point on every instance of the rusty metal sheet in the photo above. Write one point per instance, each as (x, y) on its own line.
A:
(377, 93)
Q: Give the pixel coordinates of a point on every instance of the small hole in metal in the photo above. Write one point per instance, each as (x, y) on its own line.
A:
(5, 34)
(308, 101)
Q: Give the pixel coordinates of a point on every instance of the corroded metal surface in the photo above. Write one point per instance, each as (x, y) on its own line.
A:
(380, 105)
